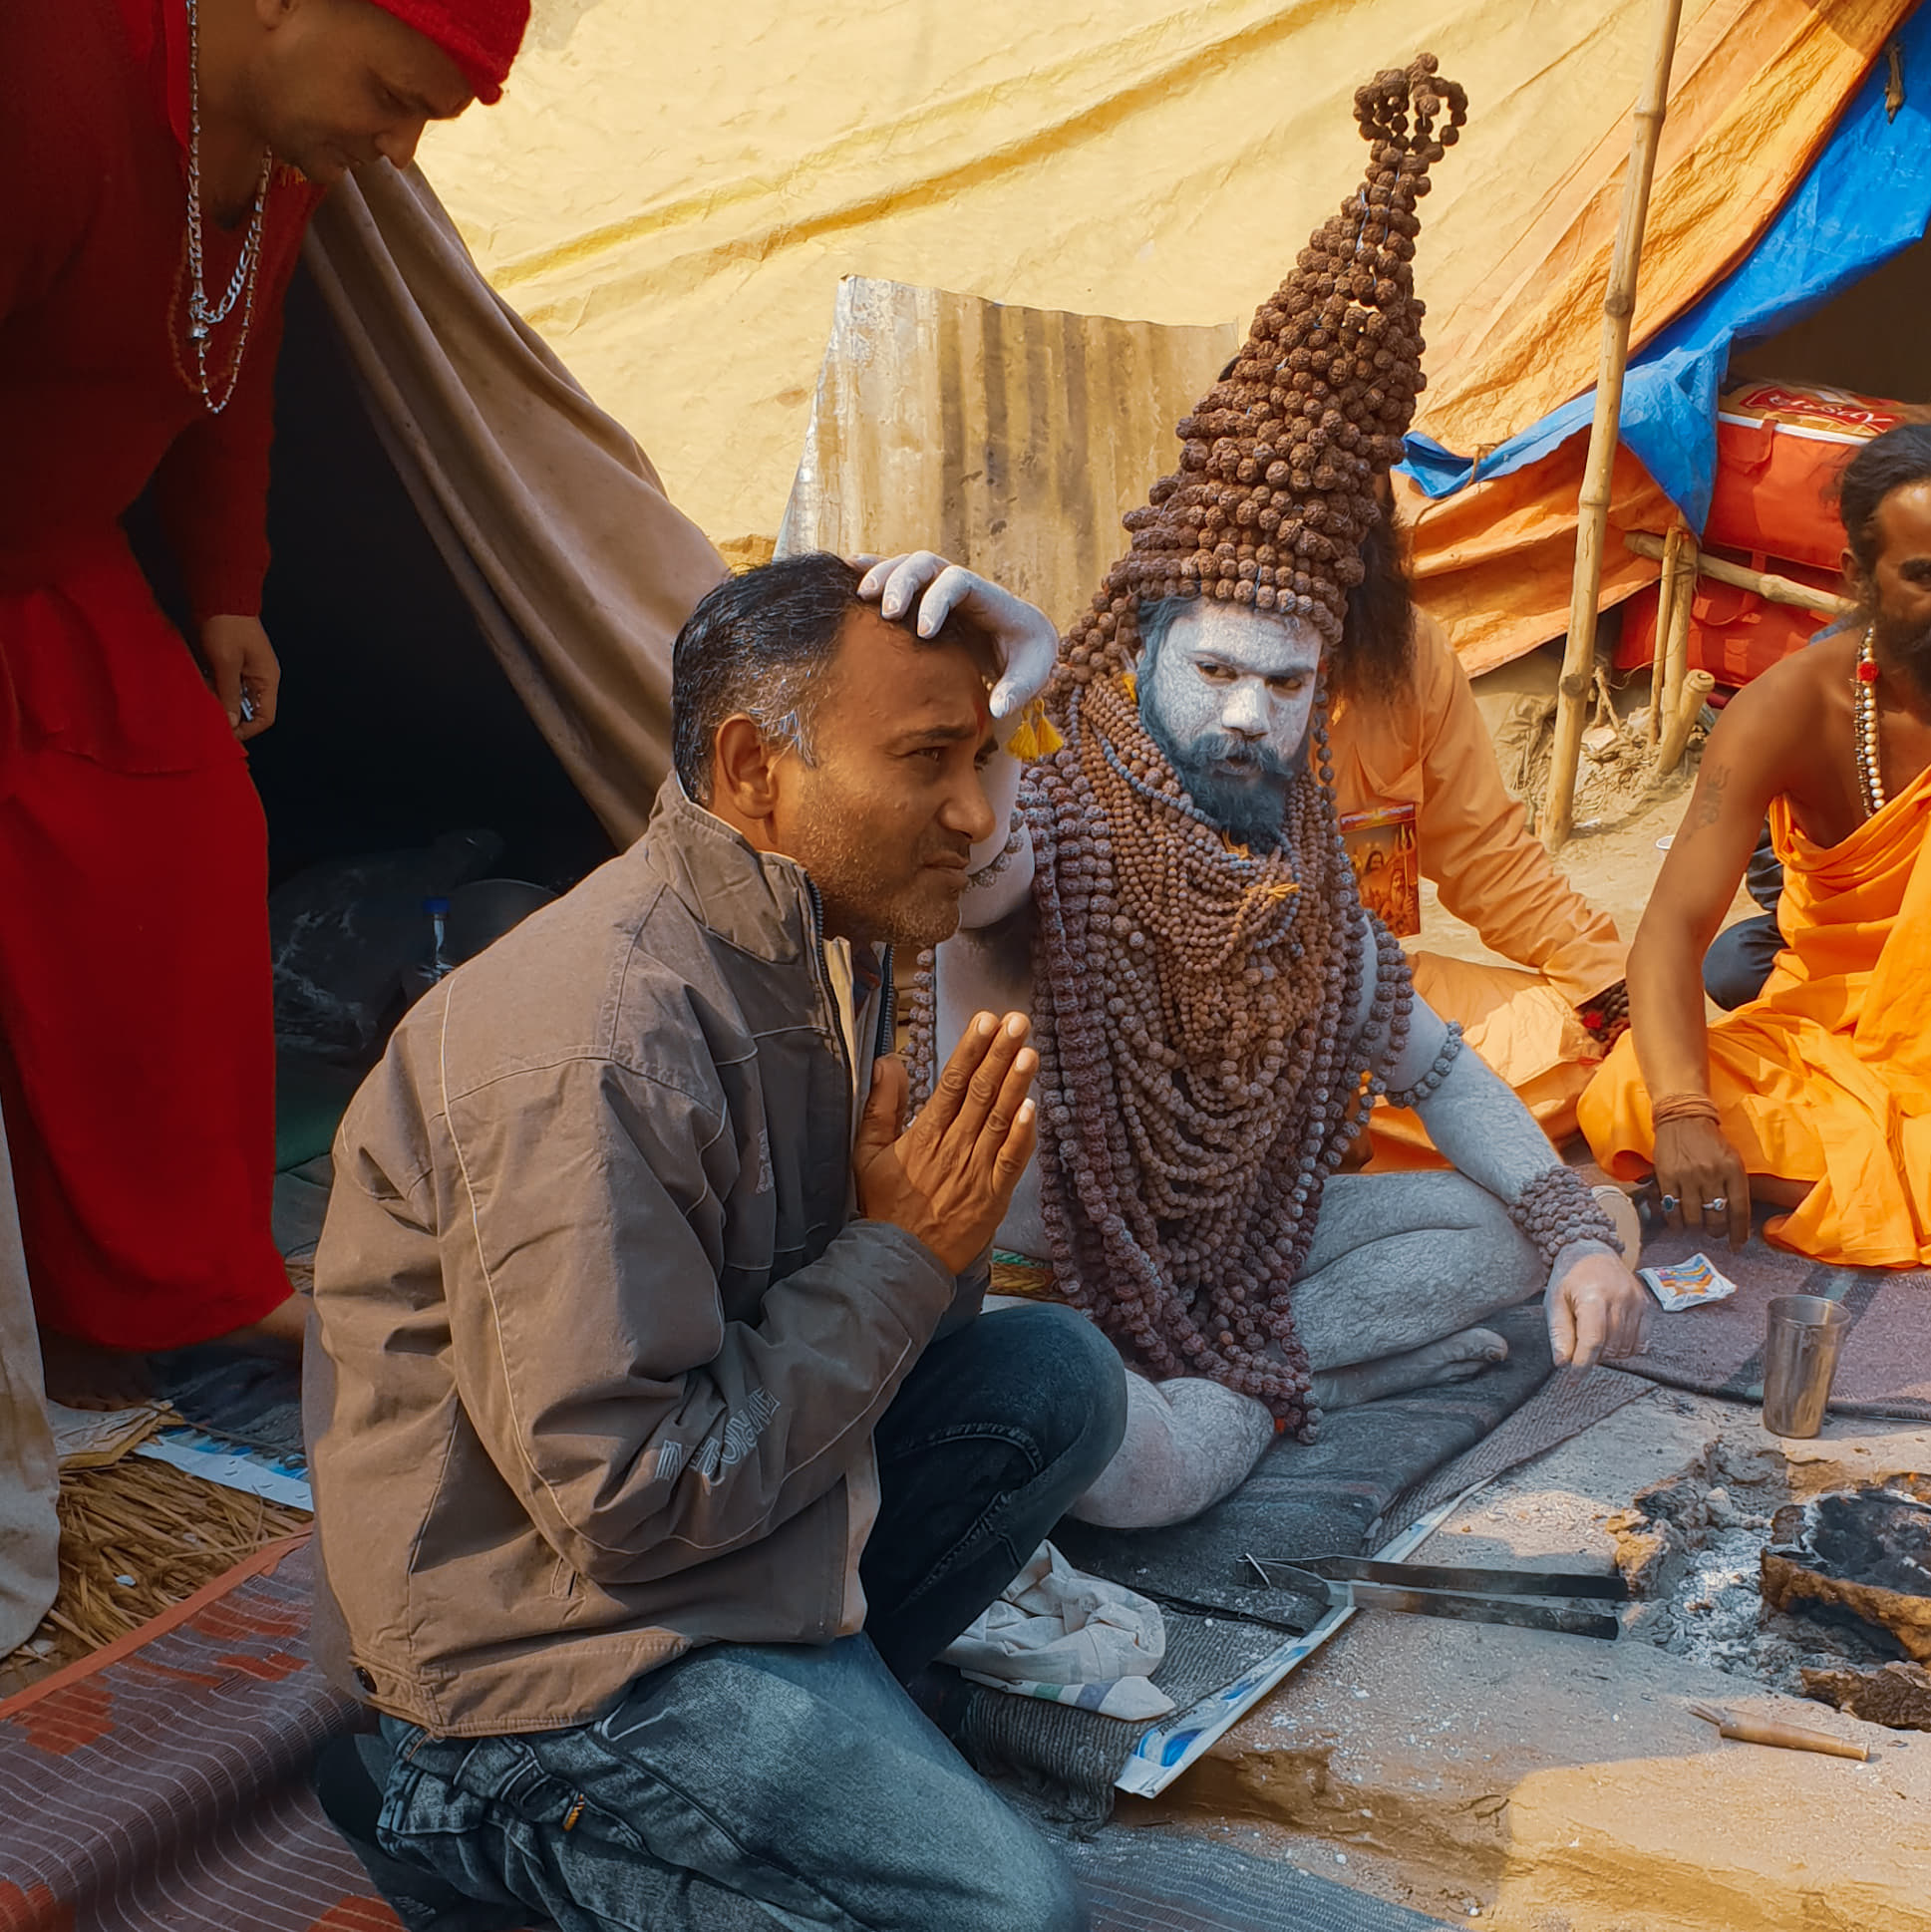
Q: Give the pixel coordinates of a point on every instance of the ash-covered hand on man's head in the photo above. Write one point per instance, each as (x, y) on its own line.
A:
(1022, 636)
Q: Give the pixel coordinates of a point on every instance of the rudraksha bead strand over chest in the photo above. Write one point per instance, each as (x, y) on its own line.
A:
(1198, 1004)
(1201, 1073)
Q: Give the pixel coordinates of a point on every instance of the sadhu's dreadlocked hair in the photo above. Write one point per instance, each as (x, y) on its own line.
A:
(1276, 484)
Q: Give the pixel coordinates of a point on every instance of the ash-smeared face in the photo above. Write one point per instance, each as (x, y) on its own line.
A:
(1227, 694)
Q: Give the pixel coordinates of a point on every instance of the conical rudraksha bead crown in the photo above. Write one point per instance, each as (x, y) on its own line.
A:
(1276, 484)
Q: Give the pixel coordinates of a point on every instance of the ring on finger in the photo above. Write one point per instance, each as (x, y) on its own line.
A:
(1668, 1203)
(1717, 1205)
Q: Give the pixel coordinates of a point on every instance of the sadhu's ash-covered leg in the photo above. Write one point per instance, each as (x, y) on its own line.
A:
(1404, 1271)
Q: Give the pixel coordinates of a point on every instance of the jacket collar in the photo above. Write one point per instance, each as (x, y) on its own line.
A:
(759, 902)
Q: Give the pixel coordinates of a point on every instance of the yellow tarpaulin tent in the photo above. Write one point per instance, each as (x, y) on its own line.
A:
(673, 198)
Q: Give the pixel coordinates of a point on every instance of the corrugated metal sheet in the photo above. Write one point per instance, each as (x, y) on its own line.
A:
(1012, 440)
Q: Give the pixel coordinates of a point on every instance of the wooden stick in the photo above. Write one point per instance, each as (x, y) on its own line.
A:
(1606, 705)
(1592, 511)
(1690, 697)
(1676, 655)
(1778, 590)
(1786, 1736)
(1666, 594)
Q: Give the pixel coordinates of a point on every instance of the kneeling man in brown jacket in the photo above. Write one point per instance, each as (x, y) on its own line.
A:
(656, 1446)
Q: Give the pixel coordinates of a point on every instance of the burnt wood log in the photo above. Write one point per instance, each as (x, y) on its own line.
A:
(1898, 1695)
(1867, 1551)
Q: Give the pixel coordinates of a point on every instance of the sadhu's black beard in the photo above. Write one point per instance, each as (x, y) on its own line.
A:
(1249, 811)
(1905, 645)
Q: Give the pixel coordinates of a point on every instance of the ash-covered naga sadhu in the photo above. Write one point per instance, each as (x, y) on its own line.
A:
(1212, 1004)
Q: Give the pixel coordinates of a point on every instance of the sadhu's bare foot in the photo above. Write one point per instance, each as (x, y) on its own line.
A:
(279, 1332)
(1455, 1357)
(83, 1375)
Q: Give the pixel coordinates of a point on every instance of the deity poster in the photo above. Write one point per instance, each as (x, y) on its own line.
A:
(1383, 848)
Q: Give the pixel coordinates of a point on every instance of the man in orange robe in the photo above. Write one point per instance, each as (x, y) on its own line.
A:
(1404, 731)
(161, 160)
(1815, 1096)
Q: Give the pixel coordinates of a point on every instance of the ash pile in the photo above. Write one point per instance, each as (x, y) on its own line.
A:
(1827, 1598)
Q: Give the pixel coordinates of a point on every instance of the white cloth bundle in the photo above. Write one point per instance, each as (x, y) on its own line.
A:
(1070, 1638)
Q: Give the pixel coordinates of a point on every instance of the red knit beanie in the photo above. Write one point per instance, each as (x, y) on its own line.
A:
(479, 36)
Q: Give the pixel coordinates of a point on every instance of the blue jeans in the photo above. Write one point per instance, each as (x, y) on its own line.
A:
(1739, 960)
(800, 1784)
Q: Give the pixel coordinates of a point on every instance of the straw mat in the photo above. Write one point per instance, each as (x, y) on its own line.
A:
(136, 1538)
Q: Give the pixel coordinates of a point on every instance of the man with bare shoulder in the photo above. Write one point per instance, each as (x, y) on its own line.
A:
(1816, 1098)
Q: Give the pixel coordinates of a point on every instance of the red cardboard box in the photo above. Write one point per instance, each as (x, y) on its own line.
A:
(1781, 447)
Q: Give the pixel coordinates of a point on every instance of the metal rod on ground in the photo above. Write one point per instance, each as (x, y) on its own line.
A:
(1778, 590)
(1676, 656)
(1692, 695)
(1592, 518)
(1665, 612)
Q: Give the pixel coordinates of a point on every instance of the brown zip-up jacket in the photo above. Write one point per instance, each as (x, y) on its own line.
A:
(606, 1345)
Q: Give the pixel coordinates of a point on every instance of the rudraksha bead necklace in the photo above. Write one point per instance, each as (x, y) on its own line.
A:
(1194, 1003)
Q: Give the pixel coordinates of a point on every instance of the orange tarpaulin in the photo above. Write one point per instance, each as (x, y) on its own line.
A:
(1493, 563)
(682, 243)
(1755, 89)
(1827, 1076)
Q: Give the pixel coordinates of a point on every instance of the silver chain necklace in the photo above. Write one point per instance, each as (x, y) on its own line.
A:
(204, 318)
(1870, 773)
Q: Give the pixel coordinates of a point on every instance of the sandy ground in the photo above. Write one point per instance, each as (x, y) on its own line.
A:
(1546, 1783)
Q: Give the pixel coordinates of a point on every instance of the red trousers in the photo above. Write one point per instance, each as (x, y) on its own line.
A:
(137, 1029)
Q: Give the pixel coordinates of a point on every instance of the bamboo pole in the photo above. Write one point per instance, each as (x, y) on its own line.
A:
(1692, 695)
(1779, 590)
(1666, 594)
(1592, 518)
(1676, 651)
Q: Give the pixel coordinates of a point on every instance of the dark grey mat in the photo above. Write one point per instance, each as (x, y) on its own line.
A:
(1316, 1498)
(1321, 1498)
(301, 1200)
(1142, 1880)
(252, 1399)
(1885, 1368)
(1559, 1410)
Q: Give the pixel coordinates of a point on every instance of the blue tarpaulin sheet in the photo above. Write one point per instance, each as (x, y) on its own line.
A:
(1866, 198)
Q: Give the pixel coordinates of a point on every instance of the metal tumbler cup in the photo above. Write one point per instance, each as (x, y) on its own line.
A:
(1799, 1357)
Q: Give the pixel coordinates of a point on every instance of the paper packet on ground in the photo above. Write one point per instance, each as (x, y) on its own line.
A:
(1687, 1284)
(1061, 1635)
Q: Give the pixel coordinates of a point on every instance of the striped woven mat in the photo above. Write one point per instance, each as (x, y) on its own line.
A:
(161, 1785)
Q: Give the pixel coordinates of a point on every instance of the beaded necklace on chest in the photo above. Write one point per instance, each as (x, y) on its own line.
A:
(1198, 1076)
(1870, 773)
(204, 316)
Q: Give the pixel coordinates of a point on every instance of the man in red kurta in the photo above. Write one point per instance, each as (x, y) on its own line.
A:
(139, 322)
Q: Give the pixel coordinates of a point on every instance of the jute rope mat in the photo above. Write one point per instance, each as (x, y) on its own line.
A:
(136, 1538)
